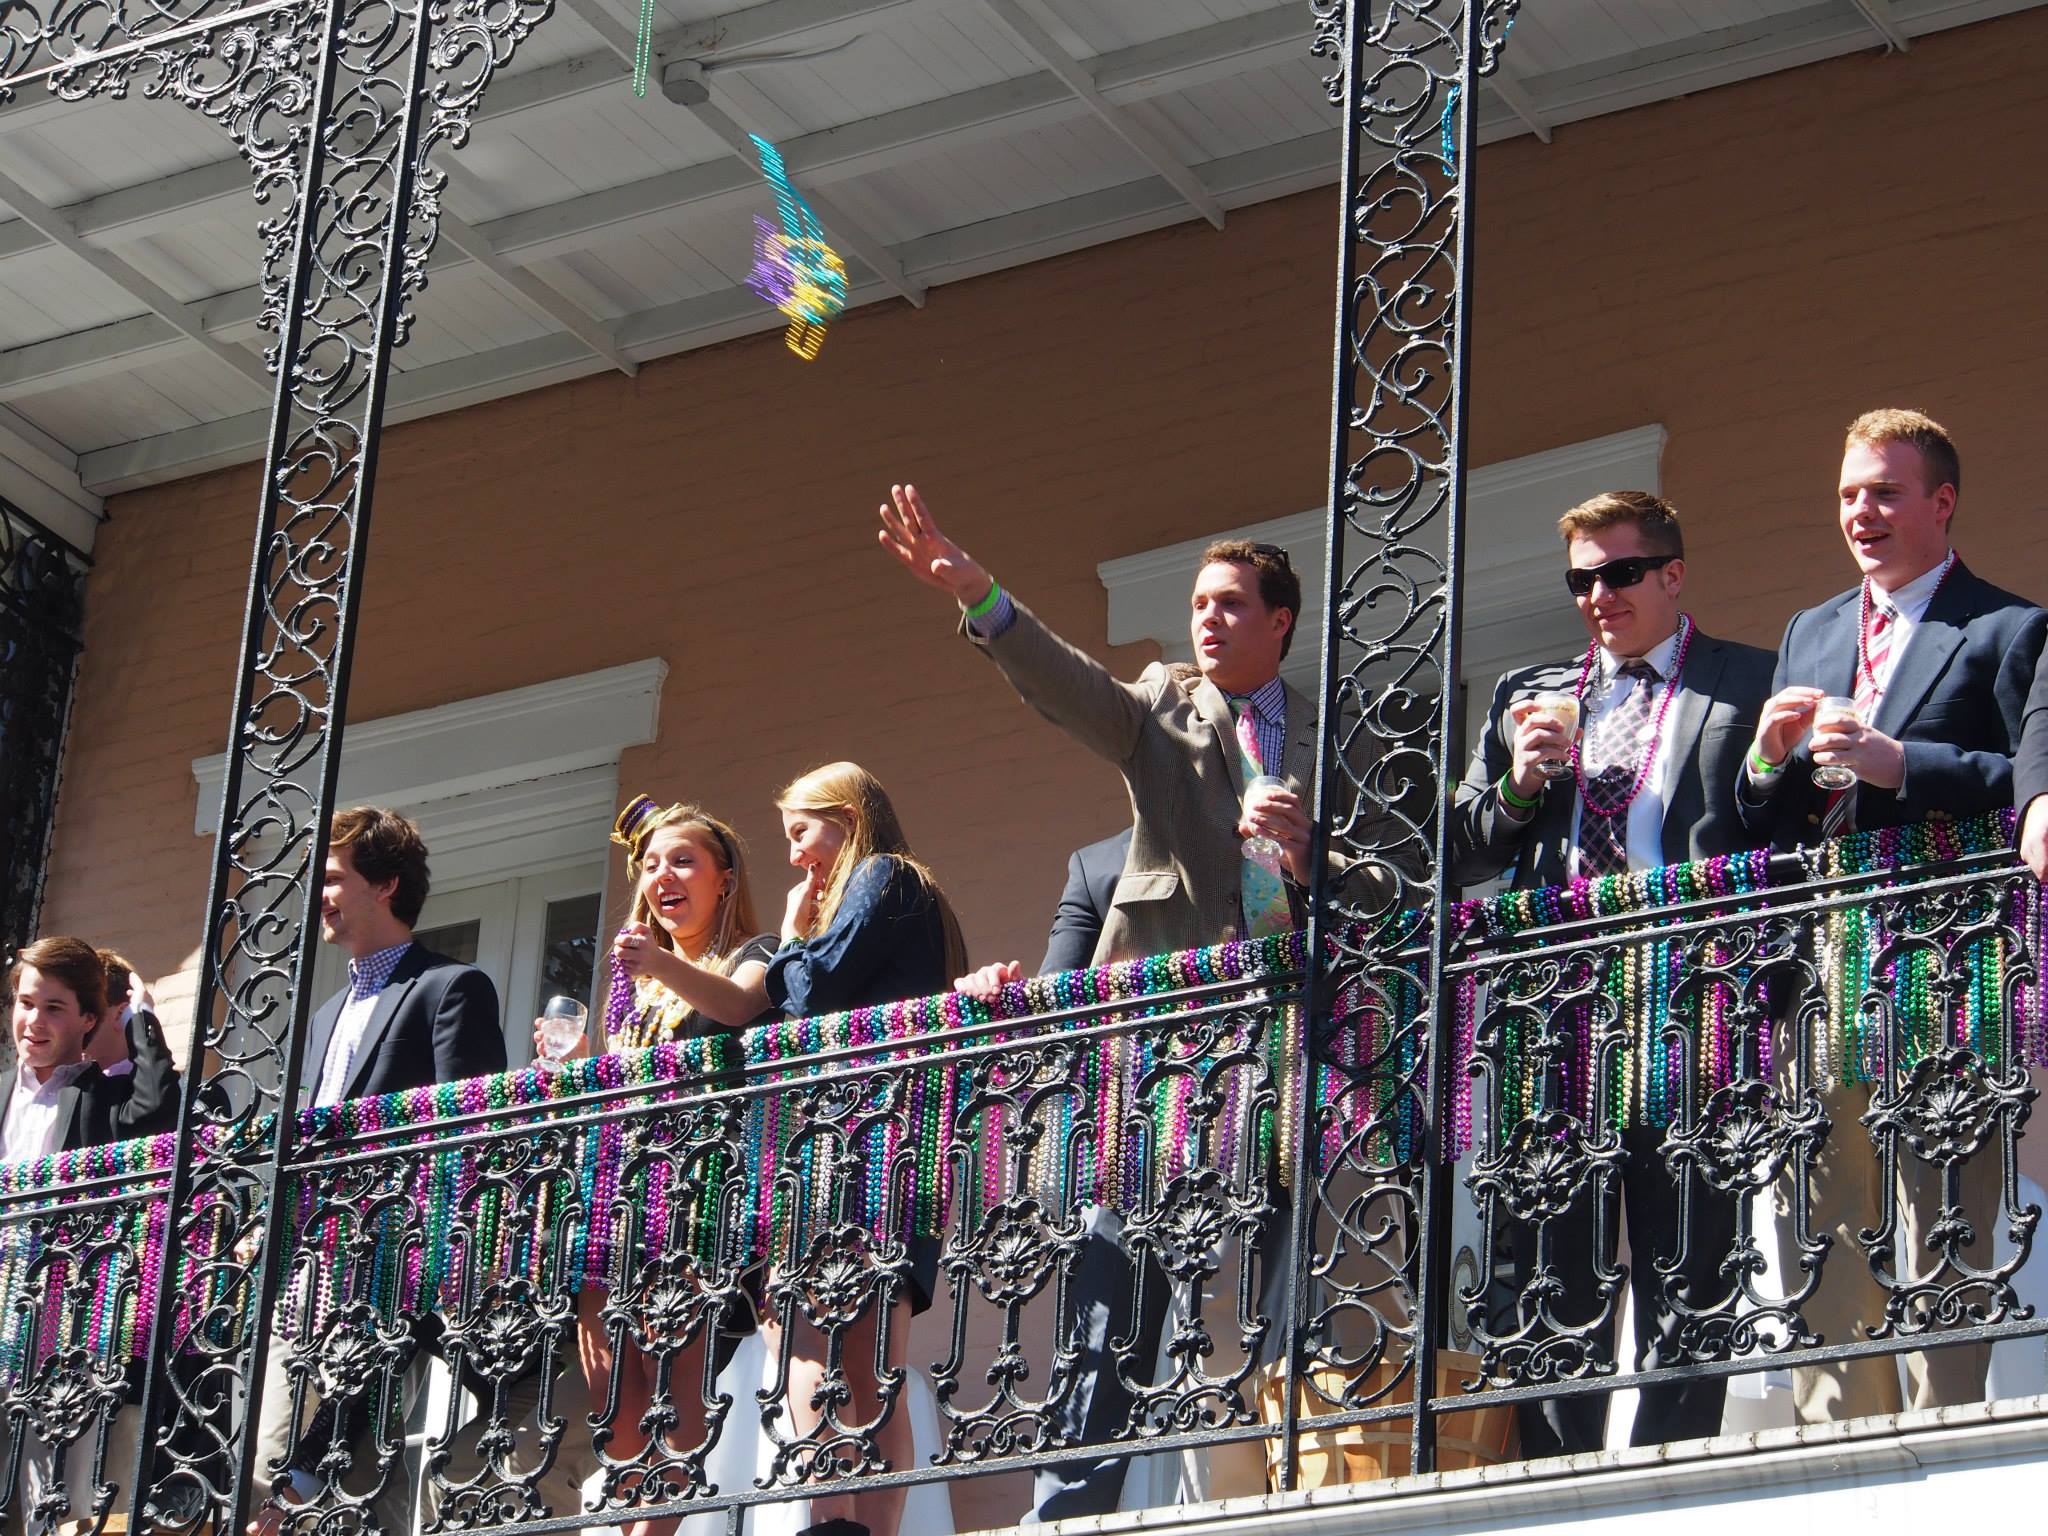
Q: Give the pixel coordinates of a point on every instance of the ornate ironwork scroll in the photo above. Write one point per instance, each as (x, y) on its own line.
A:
(336, 105)
(1371, 1243)
(42, 591)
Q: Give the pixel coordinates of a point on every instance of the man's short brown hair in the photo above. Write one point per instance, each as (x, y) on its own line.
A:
(1655, 516)
(118, 971)
(71, 961)
(384, 845)
(1279, 587)
(1937, 448)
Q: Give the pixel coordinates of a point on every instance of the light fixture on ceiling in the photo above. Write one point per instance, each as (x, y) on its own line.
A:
(687, 82)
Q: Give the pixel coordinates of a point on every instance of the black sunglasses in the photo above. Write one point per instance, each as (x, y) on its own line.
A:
(1625, 572)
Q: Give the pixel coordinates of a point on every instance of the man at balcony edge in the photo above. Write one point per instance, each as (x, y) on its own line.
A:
(1938, 662)
(1668, 712)
(2030, 776)
(64, 1094)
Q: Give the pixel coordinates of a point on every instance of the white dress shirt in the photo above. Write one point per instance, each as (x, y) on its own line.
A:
(1645, 830)
(1907, 606)
(32, 1128)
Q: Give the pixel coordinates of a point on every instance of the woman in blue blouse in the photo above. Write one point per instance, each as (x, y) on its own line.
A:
(866, 924)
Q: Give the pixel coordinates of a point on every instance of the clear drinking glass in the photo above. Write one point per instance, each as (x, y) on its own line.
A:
(1259, 848)
(562, 1022)
(1563, 710)
(1835, 710)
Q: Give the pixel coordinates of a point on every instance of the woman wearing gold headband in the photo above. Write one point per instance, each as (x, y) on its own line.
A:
(866, 924)
(696, 963)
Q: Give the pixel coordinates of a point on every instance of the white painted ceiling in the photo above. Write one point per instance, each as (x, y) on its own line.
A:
(953, 137)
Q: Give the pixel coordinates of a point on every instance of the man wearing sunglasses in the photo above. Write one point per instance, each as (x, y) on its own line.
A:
(1667, 715)
(1938, 663)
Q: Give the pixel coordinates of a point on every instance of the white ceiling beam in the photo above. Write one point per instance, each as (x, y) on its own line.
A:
(542, 297)
(222, 188)
(1885, 23)
(1126, 125)
(846, 231)
(1506, 83)
(831, 154)
(773, 22)
(173, 312)
(40, 476)
(987, 245)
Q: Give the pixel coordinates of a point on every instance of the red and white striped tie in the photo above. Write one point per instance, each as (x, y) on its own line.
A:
(1839, 818)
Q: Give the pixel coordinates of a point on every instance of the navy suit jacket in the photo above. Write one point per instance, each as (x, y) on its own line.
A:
(436, 1021)
(2030, 766)
(1092, 873)
(1955, 702)
(1721, 691)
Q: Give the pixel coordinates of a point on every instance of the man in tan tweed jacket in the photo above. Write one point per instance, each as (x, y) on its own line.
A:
(1171, 732)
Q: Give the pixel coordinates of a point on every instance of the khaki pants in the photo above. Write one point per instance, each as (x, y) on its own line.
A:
(41, 1472)
(560, 1489)
(1846, 1197)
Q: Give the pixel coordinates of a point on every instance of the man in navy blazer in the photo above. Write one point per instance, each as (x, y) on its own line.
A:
(408, 1018)
(1939, 662)
(2030, 776)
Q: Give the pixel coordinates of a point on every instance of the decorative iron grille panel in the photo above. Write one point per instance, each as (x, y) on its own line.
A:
(42, 593)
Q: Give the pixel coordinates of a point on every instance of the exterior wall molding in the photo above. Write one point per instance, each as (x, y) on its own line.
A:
(1514, 605)
(524, 760)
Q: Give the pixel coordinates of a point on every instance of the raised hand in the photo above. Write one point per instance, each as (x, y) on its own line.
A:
(909, 534)
(1787, 716)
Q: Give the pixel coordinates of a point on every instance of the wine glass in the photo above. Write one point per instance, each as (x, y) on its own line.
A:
(1835, 710)
(1562, 710)
(562, 1023)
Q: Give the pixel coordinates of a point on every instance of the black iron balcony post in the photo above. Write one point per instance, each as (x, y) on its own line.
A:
(1387, 762)
(337, 103)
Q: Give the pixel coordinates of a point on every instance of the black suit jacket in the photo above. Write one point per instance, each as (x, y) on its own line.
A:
(95, 1108)
(1721, 691)
(1092, 873)
(436, 1022)
(1955, 703)
(2030, 763)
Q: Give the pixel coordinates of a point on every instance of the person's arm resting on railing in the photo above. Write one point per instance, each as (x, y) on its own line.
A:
(2030, 775)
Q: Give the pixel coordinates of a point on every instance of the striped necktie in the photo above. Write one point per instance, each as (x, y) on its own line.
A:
(1873, 671)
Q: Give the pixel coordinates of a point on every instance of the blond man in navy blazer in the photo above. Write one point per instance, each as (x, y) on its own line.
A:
(1943, 660)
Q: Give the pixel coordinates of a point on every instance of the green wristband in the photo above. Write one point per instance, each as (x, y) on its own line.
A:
(1761, 768)
(987, 605)
(1507, 793)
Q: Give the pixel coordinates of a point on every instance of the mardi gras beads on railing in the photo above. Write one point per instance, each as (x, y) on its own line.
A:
(1641, 979)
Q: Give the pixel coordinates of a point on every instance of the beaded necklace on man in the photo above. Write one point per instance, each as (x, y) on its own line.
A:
(1865, 673)
(1646, 754)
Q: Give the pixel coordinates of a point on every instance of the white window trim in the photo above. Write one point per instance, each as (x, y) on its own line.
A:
(1515, 605)
(503, 784)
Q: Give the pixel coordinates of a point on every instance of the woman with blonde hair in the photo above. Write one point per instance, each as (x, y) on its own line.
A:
(866, 924)
(692, 963)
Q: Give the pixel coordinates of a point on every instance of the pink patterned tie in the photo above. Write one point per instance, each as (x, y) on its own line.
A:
(1261, 889)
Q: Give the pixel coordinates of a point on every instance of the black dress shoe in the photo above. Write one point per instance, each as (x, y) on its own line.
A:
(834, 1527)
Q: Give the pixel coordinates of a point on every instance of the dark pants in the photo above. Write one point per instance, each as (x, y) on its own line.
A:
(1672, 1410)
(1098, 1409)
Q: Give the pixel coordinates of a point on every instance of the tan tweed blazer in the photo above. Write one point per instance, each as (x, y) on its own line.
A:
(1171, 735)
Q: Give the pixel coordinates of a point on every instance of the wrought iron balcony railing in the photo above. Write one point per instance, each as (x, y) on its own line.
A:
(1743, 1031)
